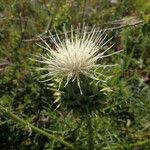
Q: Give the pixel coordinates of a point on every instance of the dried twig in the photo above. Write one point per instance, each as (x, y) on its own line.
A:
(108, 29)
(4, 63)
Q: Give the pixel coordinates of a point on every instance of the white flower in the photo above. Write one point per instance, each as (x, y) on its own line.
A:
(78, 53)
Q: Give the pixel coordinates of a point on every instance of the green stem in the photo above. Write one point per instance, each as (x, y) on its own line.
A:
(90, 132)
(34, 128)
(130, 146)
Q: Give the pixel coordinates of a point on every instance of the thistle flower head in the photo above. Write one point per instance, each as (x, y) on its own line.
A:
(77, 54)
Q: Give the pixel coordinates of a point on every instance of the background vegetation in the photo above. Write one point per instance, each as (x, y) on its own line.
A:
(124, 119)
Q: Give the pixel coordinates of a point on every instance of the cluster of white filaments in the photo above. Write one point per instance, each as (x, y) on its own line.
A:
(78, 53)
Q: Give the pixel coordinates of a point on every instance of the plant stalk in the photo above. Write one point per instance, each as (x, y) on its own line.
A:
(34, 128)
(130, 146)
(90, 132)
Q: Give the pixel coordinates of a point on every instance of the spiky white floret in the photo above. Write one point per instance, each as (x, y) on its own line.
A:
(78, 53)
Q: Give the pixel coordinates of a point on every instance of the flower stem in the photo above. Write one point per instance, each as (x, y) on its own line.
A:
(34, 128)
(90, 132)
